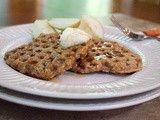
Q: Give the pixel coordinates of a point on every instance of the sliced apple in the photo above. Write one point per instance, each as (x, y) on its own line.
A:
(42, 26)
(91, 26)
(63, 23)
(73, 36)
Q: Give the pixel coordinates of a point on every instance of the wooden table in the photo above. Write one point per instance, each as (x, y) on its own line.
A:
(24, 11)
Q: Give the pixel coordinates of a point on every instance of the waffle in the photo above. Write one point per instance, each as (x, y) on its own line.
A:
(108, 56)
(44, 58)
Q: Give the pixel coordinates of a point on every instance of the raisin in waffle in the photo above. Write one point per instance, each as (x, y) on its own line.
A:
(44, 58)
(108, 56)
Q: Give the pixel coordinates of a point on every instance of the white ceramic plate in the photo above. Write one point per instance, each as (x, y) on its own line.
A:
(88, 86)
(77, 105)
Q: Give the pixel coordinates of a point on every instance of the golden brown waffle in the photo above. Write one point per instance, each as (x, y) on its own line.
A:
(44, 57)
(108, 56)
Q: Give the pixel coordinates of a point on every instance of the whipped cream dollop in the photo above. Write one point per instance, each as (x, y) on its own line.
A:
(74, 36)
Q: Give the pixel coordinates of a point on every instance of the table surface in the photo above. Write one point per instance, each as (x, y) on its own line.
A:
(131, 13)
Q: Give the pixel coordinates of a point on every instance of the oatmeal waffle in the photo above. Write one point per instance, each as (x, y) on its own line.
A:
(44, 58)
(108, 56)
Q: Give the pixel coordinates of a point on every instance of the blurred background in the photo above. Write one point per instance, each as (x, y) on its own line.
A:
(26, 11)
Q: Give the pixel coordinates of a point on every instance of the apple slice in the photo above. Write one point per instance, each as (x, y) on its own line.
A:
(91, 26)
(73, 36)
(42, 26)
(63, 23)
